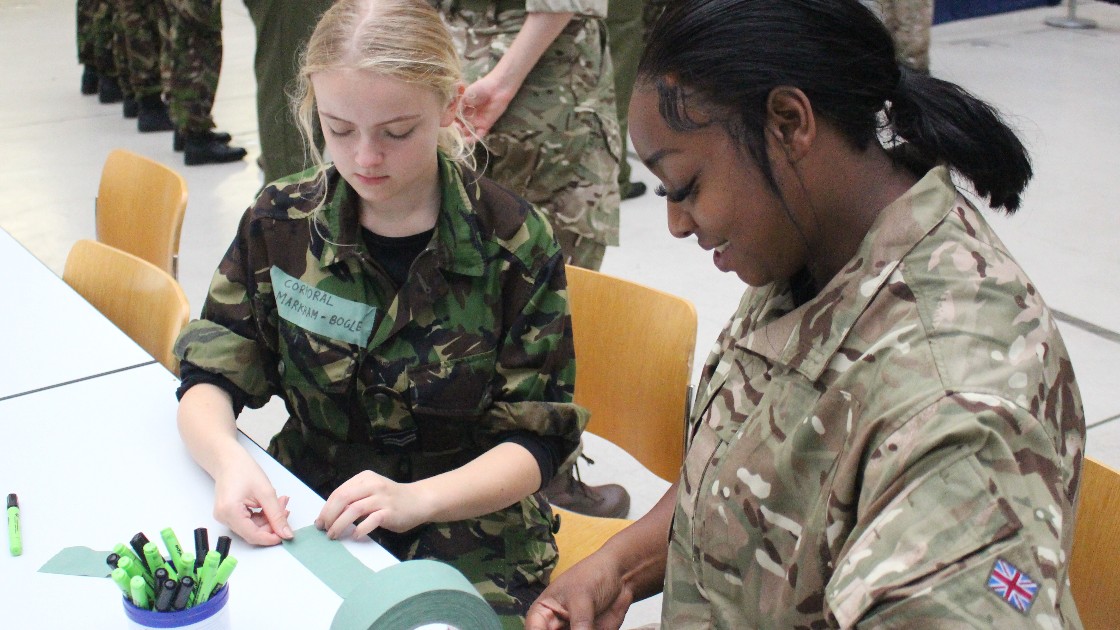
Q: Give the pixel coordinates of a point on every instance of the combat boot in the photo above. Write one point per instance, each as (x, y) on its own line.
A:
(203, 148)
(109, 91)
(219, 136)
(131, 107)
(89, 80)
(153, 115)
(569, 492)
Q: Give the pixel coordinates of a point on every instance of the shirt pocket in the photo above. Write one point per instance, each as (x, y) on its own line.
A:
(312, 362)
(447, 396)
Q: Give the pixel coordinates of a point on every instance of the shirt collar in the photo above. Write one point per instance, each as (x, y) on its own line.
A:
(457, 237)
(806, 338)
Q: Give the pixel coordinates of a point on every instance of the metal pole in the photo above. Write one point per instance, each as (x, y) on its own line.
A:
(1071, 20)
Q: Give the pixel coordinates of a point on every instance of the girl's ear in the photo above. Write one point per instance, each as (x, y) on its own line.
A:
(451, 113)
(790, 120)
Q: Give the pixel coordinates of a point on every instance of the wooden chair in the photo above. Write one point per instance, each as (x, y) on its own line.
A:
(140, 298)
(580, 536)
(140, 208)
(634, 347)
(1096, 547)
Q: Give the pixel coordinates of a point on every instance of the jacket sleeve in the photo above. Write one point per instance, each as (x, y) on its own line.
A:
(965, 521)
(535, 367)
(230, 337)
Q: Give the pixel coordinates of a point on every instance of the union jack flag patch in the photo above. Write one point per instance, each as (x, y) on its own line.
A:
(1012, 585)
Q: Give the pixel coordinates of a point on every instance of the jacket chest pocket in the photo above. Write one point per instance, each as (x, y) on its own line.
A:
(312, 362)
(447, 396)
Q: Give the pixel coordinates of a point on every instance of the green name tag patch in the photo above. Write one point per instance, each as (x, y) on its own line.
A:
(321, 312)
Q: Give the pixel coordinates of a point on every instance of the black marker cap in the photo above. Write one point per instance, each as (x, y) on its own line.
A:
(13, 500)
(201, 546)
(167, 593)
(186, 585)
(137, 543)
(223, 546)
(111, 560)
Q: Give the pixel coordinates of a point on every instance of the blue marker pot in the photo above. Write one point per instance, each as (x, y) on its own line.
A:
(213, 614)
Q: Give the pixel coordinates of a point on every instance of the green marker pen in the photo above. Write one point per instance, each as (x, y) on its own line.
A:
(224, 570)
(155, 560)
(215, 580)
(15, 538)
(186, 566)
(174, 549)
(135, 569)
(206, 576)
(121, 577)
(124, 551)
(139, 590)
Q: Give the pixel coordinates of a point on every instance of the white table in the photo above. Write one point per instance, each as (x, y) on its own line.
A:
(96, 461)
(51, 335)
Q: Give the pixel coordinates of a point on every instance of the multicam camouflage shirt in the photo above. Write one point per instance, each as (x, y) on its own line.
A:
(410, 383)
(558, 143)
(903, 450)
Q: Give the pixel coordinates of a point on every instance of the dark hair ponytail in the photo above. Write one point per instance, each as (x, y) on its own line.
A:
(728, 55)
(942, 122)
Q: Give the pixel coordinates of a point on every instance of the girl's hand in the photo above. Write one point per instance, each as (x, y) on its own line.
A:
(245, 501)
(375, 500)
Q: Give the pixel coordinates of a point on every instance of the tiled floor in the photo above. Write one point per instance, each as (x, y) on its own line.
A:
(1060, 87)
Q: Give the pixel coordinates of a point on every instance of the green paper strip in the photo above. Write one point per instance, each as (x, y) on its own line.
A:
(78, 561)
(327, 559)
(406, 595)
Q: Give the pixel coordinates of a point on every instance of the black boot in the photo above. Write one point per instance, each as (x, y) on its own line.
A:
(131, 107)
(89, 80)
(153, 115)
(219, 136)
(109, 91)
(202, 148)
(631, 190)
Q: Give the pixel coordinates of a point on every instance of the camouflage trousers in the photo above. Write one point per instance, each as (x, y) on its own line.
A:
(144, 29)
(558, 143)
(195, 31)
(99, 37)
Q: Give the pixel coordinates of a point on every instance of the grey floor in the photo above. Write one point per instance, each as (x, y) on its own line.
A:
(1060, 88)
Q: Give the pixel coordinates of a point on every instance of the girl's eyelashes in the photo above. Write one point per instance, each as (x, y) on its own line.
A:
(400, 136)
(337, 133)
(676, 196)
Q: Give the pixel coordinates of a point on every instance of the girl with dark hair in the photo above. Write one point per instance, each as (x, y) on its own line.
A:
(888, 431)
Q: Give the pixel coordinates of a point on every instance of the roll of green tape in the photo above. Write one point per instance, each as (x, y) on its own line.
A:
(406, 595)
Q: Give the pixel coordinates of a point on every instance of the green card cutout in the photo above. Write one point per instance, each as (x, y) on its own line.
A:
(78, 561)
(406, 595)
(320, 312)
(327, 559)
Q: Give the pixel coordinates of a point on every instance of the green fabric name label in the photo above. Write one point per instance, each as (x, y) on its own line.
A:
(321, 312)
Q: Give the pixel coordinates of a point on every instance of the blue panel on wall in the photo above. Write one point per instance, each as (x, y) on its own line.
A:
(949, 10)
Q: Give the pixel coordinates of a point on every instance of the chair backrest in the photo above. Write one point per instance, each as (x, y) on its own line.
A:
(579, 536)
(634, 347)
(1096, 547)
(140, 298)
(140, 208)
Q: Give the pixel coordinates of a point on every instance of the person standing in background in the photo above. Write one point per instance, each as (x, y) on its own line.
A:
(282, 28)
(144, 29)
(195, 64)
(627, 37)
(541, 97)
